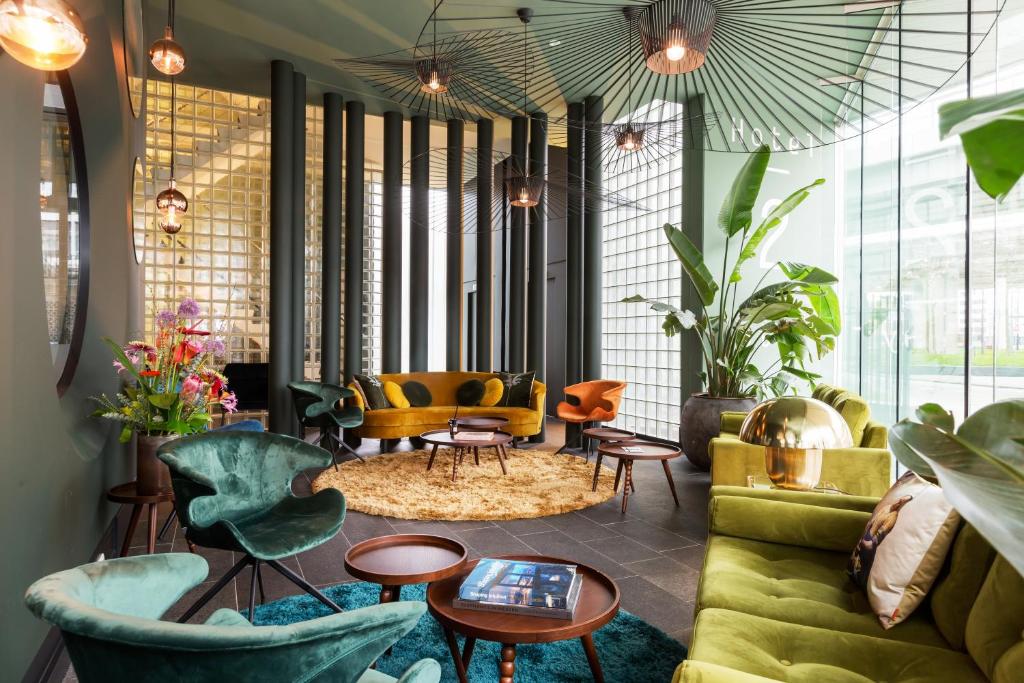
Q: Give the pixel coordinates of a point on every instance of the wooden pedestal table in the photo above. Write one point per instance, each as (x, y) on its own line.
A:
(404, 559)
(626, 453)
(128, 494)
(441, 438)
(603, 435)
(481, 423)
(598, 604)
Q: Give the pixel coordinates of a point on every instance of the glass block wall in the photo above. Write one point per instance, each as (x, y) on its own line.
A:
(638, 259)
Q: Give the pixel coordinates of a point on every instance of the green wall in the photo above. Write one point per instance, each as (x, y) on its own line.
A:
(55, 463)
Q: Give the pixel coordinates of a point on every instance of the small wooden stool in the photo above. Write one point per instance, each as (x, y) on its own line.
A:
(128, 494)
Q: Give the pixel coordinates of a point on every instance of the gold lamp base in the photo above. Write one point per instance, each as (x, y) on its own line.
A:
(794, 469)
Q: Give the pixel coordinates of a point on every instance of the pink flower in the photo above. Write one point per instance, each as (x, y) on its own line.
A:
(119, 366)
(229, 401)
(191, 386)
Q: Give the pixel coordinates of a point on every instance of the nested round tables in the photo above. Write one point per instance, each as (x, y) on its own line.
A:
(598, 604)
(442, 438)
(629, 451)
(128, 494)
(603, 435)
(481, 423)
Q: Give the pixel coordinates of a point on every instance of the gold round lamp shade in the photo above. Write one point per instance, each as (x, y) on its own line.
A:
(675, 35)
(44, 34)
(166, 55)
(794, 431)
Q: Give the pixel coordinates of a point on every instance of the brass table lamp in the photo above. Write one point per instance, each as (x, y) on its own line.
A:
(794, 431)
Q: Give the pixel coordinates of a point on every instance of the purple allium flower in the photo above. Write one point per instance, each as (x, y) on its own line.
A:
(166, 318)
(189, 308)
(214, 346)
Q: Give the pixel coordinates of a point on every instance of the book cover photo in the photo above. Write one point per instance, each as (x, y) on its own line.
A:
(521, 587)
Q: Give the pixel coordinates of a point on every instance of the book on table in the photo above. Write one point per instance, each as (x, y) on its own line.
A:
(473, 436)
(520, 587)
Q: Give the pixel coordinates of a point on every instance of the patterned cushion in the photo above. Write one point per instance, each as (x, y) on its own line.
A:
(373, 390)
(518, 388)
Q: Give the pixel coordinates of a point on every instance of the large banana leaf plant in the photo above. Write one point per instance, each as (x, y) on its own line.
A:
(980, 467)
(798, 315)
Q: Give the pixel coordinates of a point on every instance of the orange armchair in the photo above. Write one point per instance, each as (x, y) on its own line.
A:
(599, 401)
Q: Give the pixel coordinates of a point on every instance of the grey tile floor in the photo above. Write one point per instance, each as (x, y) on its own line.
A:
(654, 551)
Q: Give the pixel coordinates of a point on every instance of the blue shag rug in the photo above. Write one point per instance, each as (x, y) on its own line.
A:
(630, 649)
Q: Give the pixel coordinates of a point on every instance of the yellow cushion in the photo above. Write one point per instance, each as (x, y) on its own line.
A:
(395, 396)
(493, 389)
(357, 398)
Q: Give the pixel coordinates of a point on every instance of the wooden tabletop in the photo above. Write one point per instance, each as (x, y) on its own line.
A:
(608, 434)
(598, 604)
(403, 559)
(442, 437)
(484, 423)
(128, 494)
(652, 451)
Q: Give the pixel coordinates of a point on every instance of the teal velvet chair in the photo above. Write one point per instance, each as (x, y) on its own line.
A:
(232, 491)
(317, 407)
(108, 614)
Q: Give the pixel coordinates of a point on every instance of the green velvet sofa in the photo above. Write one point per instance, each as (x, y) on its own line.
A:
(866, 469)
(774, 602)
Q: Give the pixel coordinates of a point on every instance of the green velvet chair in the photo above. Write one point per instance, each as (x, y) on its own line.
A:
(232, 491)
(108, 614)
(317, 407)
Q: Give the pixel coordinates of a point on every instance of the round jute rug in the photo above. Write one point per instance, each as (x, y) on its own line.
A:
(538, 483)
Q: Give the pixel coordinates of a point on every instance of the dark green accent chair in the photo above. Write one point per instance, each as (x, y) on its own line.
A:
(317, 407)
(108, 614)
(232, 491)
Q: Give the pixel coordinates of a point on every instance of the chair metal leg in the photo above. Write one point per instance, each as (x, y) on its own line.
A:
(259, 580)
(303, 584)
(217, 587)
(167, 523)
(569, 443)
(252, 591)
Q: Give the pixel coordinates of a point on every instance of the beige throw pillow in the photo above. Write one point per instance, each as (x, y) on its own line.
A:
(903, 547)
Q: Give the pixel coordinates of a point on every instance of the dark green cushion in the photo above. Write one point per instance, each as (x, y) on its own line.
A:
(373, 389)
(417, 394)
(518, 388)
(469, 393)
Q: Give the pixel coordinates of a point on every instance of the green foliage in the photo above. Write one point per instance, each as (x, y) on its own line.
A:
(799, 316)
(991, 130)
(980, 467)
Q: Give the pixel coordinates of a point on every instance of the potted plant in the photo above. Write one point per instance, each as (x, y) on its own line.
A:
(798, 315)
(170, 391)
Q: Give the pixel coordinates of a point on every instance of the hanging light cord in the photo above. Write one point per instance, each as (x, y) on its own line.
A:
(629, 72)
(170, 14)
(173, 108)
(526, 28)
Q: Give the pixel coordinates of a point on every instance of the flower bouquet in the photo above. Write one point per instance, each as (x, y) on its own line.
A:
(171, 388)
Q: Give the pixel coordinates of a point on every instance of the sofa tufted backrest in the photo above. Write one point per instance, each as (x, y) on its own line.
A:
(957, 587)
(442, 385)
(995, 627)
(856, 413)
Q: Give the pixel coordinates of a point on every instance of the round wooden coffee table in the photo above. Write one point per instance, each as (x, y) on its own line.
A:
(441, 438)
(481, 423)
(603, 435)
(648, 451)
(128, 494)
(598, 604)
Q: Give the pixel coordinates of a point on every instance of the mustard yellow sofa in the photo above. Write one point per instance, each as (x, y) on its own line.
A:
(397, 423)
(866, 469)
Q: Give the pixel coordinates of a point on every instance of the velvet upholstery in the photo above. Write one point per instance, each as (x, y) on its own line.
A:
(397, 423)
(321, 406)
(240, 426)
(108, 613)
(598, 401)
(775, 603)
(232, 490)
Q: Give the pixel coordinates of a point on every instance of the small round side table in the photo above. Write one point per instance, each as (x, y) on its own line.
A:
(128, 494)
(481, 423)
(629, 451)
(439, 438)
(603, 435)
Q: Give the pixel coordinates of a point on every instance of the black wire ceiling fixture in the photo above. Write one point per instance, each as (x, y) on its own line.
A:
(794, 74)
(524, 190)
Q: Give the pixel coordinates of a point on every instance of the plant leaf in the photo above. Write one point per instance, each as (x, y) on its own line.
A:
(991, 130)
(935, 415)
(825, 303)
(163, 401)
(771, 221)
(737, 208)
(693, 263)
(999, 429)
(811, 275)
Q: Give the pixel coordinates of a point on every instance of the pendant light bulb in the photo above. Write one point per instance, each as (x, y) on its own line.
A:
(171, 204)
(44, 34)
(167, 55)
(675, 52)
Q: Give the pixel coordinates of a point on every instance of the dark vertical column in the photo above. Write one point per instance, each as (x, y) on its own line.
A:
(330, 268)
(282, 86)
(391, 327)
(419, 244)
(453, 277)
(517, 256)
(574, 255)
(484, 247)
(298, 274)
(537, 292)
(691, 364)
(592, 224)
(355, 119)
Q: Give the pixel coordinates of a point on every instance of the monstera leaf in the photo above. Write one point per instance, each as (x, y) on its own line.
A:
(980, 467)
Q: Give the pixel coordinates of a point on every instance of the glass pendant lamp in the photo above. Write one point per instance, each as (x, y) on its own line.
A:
(167, 56)
(44, 34)
(171, 203)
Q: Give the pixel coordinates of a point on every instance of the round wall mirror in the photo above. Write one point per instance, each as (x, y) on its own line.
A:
(64, 221)
(134, 53)
(137, 212)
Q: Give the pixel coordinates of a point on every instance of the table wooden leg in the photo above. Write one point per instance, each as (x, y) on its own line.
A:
(597, 470)
(467, 651)
(455, 462)
(453, 647)
(430, 462)
(501, 459)
(151, 537)
(627, 484)
(133, 522)
(671, 484)
(507, 668)
(390, 594)
(618, 475)
(592, 660)
(476, 454)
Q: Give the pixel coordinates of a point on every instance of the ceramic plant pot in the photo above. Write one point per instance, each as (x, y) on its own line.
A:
(700, 421)
(151, 474)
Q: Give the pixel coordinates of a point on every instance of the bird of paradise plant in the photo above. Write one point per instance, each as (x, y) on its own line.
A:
(172, 384)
